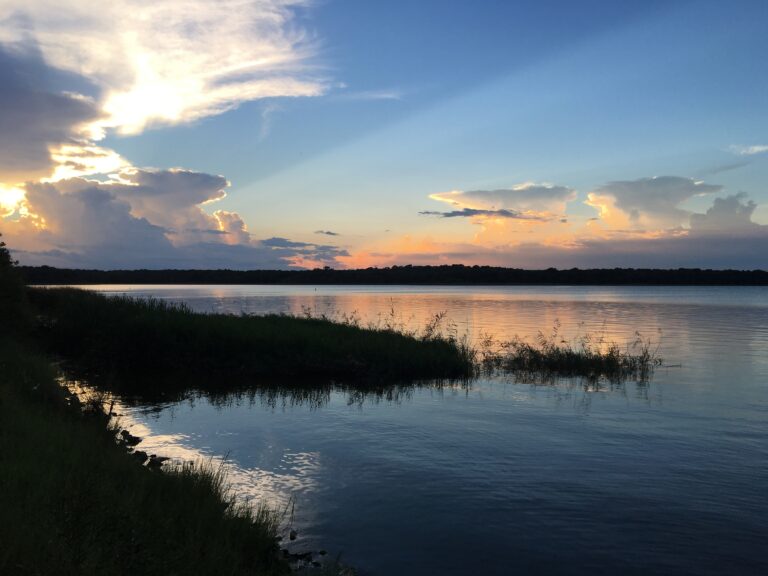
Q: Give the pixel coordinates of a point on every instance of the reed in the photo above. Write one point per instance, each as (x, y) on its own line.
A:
(589, 356)
(150, 341)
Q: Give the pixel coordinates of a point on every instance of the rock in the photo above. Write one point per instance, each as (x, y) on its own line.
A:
(322, 552)
(316, 564)
(292, 534)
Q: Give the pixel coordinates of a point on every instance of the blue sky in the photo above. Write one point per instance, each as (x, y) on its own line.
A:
(655, 109)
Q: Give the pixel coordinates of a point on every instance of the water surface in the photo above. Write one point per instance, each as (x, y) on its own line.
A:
(504, 477)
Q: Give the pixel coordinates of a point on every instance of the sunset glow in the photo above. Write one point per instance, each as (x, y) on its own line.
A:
(341, 147)
(10, 198)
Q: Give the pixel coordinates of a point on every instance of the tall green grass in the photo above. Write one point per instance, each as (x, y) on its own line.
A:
(150, 341)
(73, 502)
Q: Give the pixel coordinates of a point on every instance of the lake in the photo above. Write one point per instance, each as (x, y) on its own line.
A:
(498, 476)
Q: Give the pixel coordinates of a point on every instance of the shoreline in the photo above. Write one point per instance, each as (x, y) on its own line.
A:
(72, 486)
(81, 394)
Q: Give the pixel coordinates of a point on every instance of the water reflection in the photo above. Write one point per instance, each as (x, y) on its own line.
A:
(513, 474)
(289, 395)
(293, 473)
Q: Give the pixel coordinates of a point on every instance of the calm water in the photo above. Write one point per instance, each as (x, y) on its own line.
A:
(505, 477)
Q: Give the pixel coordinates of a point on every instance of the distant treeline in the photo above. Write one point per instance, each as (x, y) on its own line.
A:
(456, 274)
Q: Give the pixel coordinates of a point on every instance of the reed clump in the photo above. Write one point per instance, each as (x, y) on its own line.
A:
(588, 356)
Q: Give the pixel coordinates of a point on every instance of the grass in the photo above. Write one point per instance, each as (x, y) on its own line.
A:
(74, 502)
(156, 346)
(589, 356)
(149, 340)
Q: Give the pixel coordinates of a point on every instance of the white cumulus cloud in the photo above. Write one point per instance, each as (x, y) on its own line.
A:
(651, 202)
(169, 61)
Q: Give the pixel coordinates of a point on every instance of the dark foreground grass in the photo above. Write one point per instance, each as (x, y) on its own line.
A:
(147, 339)
(73, 502)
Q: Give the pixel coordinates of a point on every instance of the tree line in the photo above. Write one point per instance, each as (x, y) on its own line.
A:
(456, 274)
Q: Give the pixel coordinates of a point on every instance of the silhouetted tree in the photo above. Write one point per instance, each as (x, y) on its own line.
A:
(13, 306)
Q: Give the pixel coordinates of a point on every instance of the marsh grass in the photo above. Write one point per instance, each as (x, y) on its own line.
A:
(589, 356)
(140, 346)
(152, 343)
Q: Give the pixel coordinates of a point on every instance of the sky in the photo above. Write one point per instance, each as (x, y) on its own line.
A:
(299, 134)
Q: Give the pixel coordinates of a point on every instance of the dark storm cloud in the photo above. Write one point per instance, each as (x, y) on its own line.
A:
(32, 117)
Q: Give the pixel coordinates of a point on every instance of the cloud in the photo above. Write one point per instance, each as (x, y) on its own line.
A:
(88, 220)
(647, 202)
(267, 112)
(538, 200)
(170, 61)
(233, 226)
(749, 150)
(474, 212)
(724, 168)
(141, 63)
(84, 223)
(284, 243)
(33, 119)
(277, 242)
(731, 215)
(371, 95)
(693, 251)
(723, 237)
(306, 254)
(327, 233)
(171, 199)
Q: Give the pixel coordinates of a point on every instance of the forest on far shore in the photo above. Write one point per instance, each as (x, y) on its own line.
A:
(456, 274)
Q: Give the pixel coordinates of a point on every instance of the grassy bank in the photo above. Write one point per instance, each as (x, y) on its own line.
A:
(147, 339)
(73, 502)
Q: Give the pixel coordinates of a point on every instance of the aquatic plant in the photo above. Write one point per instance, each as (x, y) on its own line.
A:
(592, 356)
